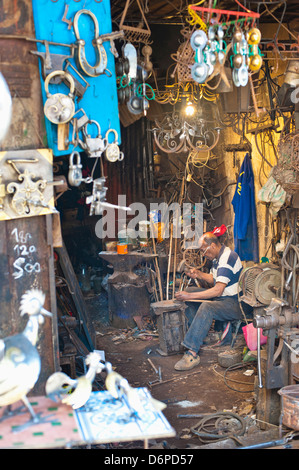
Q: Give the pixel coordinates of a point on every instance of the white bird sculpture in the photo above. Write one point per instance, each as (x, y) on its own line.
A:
(120, 388)
(75, 392)
(20, 363)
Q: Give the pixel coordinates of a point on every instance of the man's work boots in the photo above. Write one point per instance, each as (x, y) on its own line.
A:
(187, 362)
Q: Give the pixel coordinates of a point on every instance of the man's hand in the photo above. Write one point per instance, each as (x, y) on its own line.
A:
(197, 274)
(193, 273)
(183, 295)
(215, 291)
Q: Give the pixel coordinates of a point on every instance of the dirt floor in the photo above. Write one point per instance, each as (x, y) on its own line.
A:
(205, 390)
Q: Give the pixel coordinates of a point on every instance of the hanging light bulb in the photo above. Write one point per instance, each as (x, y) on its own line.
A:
(189, 109)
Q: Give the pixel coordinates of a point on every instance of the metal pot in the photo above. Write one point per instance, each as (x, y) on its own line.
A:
(290, 406)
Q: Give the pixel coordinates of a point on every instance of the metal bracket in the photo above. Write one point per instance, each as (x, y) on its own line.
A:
(52, 62)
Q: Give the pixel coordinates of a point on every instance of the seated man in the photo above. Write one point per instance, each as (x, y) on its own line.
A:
(219, 302)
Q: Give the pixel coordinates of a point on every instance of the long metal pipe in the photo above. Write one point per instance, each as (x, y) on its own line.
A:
(265, 445)
(259, 367)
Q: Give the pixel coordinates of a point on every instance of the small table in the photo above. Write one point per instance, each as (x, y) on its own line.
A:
(102, 420)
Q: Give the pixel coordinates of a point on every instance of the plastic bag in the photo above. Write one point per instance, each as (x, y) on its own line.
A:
(250, 335)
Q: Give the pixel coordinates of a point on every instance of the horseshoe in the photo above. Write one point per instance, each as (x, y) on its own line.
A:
(101, 55)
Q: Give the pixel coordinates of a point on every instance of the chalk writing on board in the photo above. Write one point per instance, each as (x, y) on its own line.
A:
(24, 250)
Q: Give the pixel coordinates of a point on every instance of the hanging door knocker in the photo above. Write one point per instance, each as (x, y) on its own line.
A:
(101, 56)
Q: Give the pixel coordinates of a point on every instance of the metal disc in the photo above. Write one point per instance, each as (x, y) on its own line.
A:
(198, 39)
(266, 285)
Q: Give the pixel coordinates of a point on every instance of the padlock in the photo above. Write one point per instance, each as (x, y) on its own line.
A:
(112, 152)
(95, 146)
(59, 108)
(75, 170)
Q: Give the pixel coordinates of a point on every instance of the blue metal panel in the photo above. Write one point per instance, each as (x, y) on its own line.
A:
(100, 101)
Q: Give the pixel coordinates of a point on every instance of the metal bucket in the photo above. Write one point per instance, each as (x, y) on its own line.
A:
(290, 406)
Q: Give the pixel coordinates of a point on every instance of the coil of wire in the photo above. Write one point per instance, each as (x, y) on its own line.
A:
(219, 426)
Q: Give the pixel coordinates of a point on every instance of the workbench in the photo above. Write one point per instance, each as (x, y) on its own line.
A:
(102, 420)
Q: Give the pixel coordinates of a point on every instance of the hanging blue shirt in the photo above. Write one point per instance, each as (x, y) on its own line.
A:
(245, 226)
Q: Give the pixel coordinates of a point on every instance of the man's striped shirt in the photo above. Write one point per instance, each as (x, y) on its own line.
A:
(227, 269)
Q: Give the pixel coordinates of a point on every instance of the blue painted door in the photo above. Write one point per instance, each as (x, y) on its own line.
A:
(99, 101)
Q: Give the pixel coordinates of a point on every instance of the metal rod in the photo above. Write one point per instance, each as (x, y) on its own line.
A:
(195, 415)
(264, 445)
(153, 366)
(176, 378)
(169, 262)
(156, 261)
(259, 358)
(43, 41)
